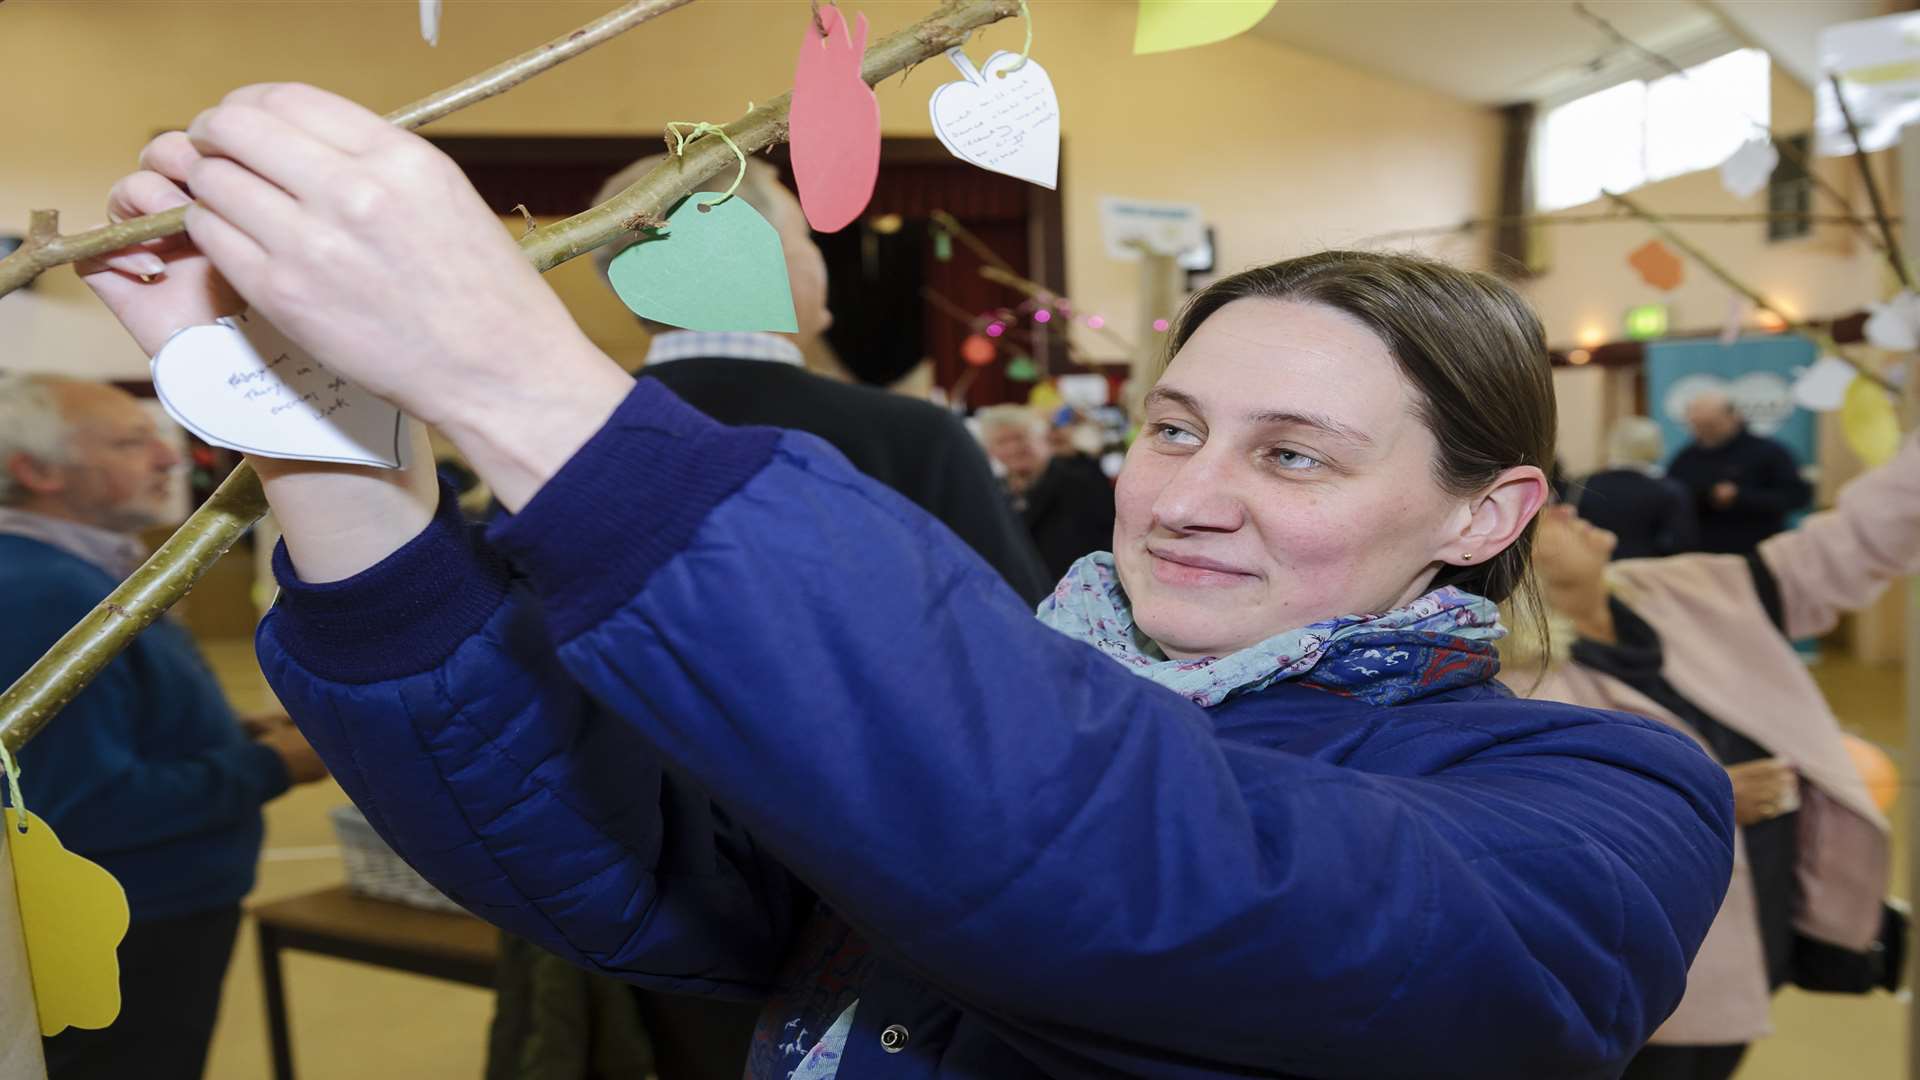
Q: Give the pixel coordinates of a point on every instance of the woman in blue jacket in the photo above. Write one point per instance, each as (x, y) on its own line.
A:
(712, 712)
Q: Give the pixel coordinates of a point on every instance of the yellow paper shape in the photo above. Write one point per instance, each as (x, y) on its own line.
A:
(1868, 421)
(1166, 25)
(1045, 398)
(74, 915)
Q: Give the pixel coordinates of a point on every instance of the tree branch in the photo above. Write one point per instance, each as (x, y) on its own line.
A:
(1892, 247)
(171, 572)
(32, 259)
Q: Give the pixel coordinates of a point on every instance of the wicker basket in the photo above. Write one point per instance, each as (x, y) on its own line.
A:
(374, 870)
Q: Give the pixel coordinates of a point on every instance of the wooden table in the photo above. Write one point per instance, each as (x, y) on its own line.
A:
(336, 922)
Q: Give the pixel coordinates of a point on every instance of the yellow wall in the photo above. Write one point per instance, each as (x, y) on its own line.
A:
(1285, 151)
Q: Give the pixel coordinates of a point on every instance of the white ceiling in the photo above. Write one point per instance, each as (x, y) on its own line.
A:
(1495, 52)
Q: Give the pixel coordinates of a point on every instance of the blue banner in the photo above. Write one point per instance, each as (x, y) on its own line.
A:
(1757, 373)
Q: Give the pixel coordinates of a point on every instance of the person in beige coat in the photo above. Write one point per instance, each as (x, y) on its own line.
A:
(1703, 643)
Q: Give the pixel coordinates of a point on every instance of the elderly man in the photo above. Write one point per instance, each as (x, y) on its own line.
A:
(1744, 485)
(1066, 501)
(148, 772)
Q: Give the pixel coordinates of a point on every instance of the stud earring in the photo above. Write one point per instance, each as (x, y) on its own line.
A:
(1466, 556)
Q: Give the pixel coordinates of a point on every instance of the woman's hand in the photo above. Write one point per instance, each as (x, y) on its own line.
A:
(1763, 790)
(337, 519)
(368, 246)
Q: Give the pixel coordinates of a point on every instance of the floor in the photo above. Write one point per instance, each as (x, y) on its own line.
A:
(353, 1021)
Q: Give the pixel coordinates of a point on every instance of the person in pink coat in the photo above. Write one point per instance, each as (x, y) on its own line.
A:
(1703, 643)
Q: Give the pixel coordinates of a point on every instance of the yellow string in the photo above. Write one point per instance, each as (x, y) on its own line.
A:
(1026, 51)
(13, 786)
(694, 131)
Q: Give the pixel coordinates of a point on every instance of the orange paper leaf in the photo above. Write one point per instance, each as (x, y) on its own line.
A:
(1658, 266)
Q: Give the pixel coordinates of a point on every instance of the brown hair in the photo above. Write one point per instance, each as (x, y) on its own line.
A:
(1469, 344)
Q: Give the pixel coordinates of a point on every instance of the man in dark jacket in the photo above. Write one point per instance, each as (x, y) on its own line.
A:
(147, 772)
(918, 450)
(1649, 514)
(1743, 484)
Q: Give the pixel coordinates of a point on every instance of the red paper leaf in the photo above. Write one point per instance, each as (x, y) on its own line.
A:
(977, 350)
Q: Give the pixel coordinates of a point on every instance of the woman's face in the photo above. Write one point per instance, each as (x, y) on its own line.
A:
(1282, 476)
(1570, 553)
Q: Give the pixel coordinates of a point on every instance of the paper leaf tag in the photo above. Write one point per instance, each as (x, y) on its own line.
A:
(1166, 25)
(1658, 266)
(242, 384)
(1895, 325)
(1006, 125)
(834, 124)
(1868, 421)
(1022, 369)
(74, 915)
(1745, 173)
(1823, 387)
(430, 21)
(715, 269)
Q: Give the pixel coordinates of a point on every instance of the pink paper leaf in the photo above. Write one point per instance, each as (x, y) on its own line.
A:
(834, 124)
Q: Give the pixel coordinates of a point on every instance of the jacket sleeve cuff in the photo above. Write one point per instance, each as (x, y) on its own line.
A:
(625, 504)
(403, 615)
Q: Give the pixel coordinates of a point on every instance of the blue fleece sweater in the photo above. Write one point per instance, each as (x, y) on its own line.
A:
(146, 772)
(707, 672)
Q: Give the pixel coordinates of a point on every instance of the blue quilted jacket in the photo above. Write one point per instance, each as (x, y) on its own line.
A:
(708, 673)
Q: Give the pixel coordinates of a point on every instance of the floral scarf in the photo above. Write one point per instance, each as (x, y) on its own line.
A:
(1440, 641)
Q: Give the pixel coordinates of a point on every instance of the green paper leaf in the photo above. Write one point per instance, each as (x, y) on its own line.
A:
(942, 245)
(1022, 369)
(718, 268)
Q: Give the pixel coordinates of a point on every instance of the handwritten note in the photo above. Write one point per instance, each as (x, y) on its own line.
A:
(1003, 118)
(242, 384)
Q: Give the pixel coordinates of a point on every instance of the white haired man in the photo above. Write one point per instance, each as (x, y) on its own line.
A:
(148, 772)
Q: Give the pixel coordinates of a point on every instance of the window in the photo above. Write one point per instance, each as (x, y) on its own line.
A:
(1644, 130)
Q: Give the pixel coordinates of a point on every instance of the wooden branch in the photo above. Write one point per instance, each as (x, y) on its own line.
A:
(163, 579)
(650, 196)
(1900, 270)
(34, 258)
(1726, 277)
(1471, 224)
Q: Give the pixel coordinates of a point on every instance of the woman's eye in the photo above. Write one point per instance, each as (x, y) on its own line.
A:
(1292, 460)
(1177, 436)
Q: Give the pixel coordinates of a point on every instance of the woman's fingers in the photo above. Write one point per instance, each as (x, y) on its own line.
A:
(171, 154)
(235, 254)
(267, 145)
(329, 118)
(269, 216)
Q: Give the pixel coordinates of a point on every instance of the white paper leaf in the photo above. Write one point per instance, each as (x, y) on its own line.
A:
(1006, 125)
(430, 21)
(1823, 387)
(1895, 325)
(1745, 173)
(241, 384)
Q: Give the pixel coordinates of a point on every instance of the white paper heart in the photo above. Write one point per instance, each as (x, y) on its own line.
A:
(1895, 325)
(1007, 124)
(1823, 387)
(1736, 319)
(1746, 172)
(240, 383)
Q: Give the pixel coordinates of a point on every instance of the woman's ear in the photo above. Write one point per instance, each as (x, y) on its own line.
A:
(1496, 516)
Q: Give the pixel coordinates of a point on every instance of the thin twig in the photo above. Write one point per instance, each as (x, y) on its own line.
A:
(965, 235)
(1472, 224)
(1873, 188)
(1045, 295)
(34, 258)
(1712, 266)
(1785, 148)
(77, 657)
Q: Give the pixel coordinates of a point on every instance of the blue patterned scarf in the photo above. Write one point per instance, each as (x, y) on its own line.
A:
(1440, 641)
